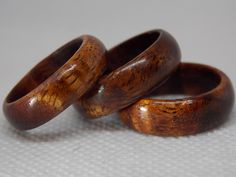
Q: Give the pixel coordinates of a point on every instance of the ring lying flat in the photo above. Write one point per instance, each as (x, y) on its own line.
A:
(211, 100)
(55, 83)
(134, 68)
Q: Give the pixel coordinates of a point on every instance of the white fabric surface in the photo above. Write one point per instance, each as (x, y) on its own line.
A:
(73, 146)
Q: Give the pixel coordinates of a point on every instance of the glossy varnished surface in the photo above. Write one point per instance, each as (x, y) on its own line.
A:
(210, 98)
(134, 68)
(56, 82)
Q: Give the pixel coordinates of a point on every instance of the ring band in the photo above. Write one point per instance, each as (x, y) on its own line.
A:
(55, 83)
(134, 68)
(211, 101)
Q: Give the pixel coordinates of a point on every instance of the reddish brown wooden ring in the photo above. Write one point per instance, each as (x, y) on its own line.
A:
(55, 83)
(134, 68)
(211, 100)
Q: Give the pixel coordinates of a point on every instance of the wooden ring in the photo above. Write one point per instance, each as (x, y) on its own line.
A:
(209, 101)
(134, 68)
(55, 83)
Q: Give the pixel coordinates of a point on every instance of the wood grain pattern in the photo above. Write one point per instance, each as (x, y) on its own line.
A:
(210, 98)
(56, 82)
(134, 68)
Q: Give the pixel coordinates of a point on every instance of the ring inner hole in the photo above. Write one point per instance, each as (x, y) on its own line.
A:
(186, 82)
(130, 49)
(44, 70)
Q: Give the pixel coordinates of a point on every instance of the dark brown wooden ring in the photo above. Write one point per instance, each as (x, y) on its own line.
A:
(209, 101)
(55, 83)
(134, 68)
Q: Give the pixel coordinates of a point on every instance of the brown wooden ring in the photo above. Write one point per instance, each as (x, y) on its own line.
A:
(210, 100)
(134, 68)
(55, 83)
